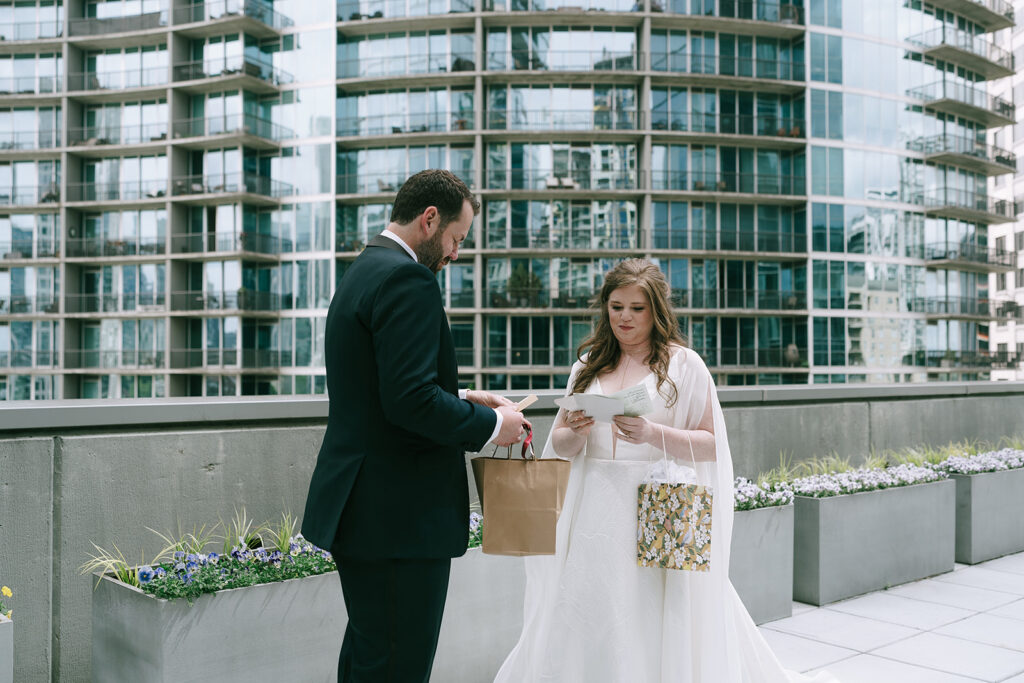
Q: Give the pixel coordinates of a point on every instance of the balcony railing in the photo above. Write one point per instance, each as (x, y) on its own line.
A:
(547, 119)
(564, 60)
(403, 65)
(198, 243)
(118, 135)
(111, 358)
(755, 10)
(94, 26)
(952, 199)
(21, 304)
(976, 44)
(113, 303)
(790, 357)
(238, 300)
(118, 80)
(217, 357)
(124, 246)
(562, 5)
(952, 306)
(15, 249)
(962, 359)
(43, 139)
(351, 10)
(25, 85)
(32, 30)
(231, 183)
(1008, 310)
(129, 190)
(231, 66)
(747, 67)
(22, 195)
(752, 183)
(739, 298)
(22, 358)
(964, 94)
(231, 124)
(729, 240)
(730, 124)
(219, 9)
(968, 253)
(964, 146)
(518, 355)
(397, 124)
(371, 183)
(547, 179)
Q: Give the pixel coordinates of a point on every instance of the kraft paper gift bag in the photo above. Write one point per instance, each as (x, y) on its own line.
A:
(674, 518)
(521, 501)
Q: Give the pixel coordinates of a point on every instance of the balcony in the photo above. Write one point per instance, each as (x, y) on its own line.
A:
(718, 183)
(96, 247)
(42, 247)
(524, 356)
(604, 235)
(78, 359)
(977, 53)
(11, 141)
(30, 85)
(992, 14)
(243, 129)
(969, 257)
(238, 186)
(562, 179)
(219, 243)
(748, 299)
(237, 71)
(252, 17)
(238, 300)
(702, 69)
(149, 77)
(123, 191)
(130, 302)
(565, 60)
(217, 357)
(22, 358)
(945, 307)
(416, 65)
(29, 195)
(960, 99)
(29, 304)
(746, 357)
(95, 26)
(538, 6)
(966, 152)
(50, 30)
(386, 183)
(104, 136)
(402, 124)
(962, 359)
(730, 240)
(584, 120)
(1008, 310)
(776, 19)
(967, 206)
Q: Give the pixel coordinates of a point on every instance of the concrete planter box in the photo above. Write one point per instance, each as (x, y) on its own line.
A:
(989, 509)
(761, 562)
(292, 630)
(6, 650)
(861, 542)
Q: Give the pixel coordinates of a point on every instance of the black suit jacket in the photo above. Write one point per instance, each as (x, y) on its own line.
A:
(390, 480)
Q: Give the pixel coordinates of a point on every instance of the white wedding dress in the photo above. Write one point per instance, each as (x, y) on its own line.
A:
(591, 615)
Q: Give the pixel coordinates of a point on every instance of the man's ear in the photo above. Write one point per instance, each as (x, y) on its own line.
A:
(429, 221)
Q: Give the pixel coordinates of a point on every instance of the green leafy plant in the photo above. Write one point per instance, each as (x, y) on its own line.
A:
(240, 532)
(278, 536)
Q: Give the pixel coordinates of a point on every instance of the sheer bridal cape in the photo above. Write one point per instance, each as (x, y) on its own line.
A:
(591, 615)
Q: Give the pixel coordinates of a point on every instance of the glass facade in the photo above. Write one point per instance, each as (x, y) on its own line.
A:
(823, 182)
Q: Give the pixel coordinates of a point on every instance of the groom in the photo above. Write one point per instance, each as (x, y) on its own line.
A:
(389, 495)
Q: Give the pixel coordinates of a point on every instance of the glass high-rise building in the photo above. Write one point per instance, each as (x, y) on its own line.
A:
(182, 185)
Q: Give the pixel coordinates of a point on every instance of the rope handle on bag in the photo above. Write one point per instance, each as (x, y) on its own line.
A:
(664, 449)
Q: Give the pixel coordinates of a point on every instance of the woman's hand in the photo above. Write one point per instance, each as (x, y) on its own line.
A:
(579, 423)
(637, 430)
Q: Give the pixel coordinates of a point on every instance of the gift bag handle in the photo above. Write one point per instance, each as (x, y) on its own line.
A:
(527, 443)
(664, 449)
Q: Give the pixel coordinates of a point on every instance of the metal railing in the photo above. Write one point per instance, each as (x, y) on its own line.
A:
(740, 298)
(965, 94)
(564, 60)
(967, 359)
(77, 359)
(22, 358)
(793, 356)
(951, 305)
(945, 198)
(1001, 7)
(42, 139)
(369, 183)
(230, 66)
(729, 240)
(103, 247)
(547, 179)
(94, 26)
(1008, 310)
(22, 195)
(967, 146)
(230, 124)
(230, 183)
(730, 124)
(750, 183)
(219, 9)
(970, 253)
(749, 67)
(352, 10)
(549, 119)
(125, 190)
(525, 355)
(118, 80)
(24, 85)
(403, 65)
(118, 135)
(755, 10)
(115, 302)
(397, 124)
(977, 44)
(28, 248)
(21, 304)
(197, 243)
(32, 30)
(239, 300)
(563, 5)
(250, 358)
(604, 236)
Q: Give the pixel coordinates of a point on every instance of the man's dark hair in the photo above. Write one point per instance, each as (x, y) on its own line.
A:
(433, 187)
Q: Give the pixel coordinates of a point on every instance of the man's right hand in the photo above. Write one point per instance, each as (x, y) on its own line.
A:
(513, 424)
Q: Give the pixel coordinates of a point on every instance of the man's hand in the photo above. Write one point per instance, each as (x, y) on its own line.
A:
(486, 398)
(513, 424)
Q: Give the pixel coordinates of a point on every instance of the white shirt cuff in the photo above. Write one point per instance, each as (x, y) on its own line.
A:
(463, 393)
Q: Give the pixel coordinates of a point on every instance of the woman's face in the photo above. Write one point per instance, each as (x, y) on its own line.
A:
(630, 315)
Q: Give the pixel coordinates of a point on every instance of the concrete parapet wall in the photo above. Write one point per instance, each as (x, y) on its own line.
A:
(77, 472)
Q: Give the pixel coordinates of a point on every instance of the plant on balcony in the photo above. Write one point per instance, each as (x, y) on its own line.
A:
(523, 286)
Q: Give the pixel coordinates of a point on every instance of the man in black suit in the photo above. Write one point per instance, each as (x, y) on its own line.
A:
(389, 495)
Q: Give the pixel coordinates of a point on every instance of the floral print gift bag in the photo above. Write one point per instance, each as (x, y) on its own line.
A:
(674, 529)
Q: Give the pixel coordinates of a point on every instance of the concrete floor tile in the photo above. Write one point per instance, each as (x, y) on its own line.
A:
(1016, 679)
(1015, 610)
(801, 607)
(989, 579)
(895, 609)
(988, 629)
(953, 594)
(843, 630)
(1013, 564)
(803, 654)
(956, 656)
(872, 669)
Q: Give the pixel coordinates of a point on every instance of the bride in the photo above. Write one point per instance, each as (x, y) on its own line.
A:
(592, 615)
